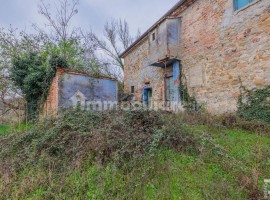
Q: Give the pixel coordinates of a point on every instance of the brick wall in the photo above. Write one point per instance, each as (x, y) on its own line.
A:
(217, 47)
(51, 104)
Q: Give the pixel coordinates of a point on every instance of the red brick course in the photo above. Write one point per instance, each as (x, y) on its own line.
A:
(51, 104)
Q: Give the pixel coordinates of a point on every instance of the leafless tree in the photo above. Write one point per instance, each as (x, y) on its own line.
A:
(13, 43)
(10, 99)
(60, 23)
(59, 20)
(116, 38)
(124, 34)
(139, 34)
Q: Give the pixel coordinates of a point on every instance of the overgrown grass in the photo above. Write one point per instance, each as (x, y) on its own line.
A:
(7, 129)
(166, 175)
(4, 129)
(134, 155)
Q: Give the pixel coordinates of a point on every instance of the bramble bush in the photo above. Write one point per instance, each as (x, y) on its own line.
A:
(118, 136)
(78, 154)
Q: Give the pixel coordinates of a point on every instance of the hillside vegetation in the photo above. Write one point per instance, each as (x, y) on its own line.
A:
(136, 155)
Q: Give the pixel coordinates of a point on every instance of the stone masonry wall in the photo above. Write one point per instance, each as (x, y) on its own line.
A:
(224, 45)
(218, 46)
(137, 73)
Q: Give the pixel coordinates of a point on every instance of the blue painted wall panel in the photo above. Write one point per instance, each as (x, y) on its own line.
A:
(85, 89)
(176, 74)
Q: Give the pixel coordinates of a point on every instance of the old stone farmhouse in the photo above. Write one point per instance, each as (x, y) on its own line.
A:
(71, 88)
(212, 43)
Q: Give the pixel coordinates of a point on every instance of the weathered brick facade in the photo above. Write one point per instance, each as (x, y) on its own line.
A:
(217, 46)
(51, 104)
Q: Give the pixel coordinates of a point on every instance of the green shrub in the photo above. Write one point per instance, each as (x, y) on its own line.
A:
(32, 73)
(115, 136)
(189, 102)
(254, 104)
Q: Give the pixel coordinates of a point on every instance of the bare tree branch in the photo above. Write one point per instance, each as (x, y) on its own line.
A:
(60, 22)
(139, 34)
(124, 34)
(116, 39)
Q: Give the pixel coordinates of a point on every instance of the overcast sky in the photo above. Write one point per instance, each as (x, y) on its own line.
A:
(92, 13)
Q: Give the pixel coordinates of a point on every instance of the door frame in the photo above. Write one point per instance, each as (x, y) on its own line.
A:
(145, 96)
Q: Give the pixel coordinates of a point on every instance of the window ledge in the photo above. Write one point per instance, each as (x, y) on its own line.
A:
(246, 7)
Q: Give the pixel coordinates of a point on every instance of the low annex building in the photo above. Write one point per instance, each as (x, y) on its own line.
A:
(213, 44)
(71, 88)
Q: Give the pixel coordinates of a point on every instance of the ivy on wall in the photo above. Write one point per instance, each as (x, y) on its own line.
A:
(32, 73)
(254, 104)
(189, 102)
(32, 70)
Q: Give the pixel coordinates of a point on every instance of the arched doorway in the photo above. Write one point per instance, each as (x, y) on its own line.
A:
(147, 95)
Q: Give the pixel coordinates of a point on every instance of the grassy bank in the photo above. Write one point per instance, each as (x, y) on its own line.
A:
(135, 155)
(4, 129)
(7, 129)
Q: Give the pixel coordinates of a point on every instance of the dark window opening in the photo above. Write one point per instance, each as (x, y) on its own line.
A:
(169, 70)
(132, 89)
(238, 4)
(153, 36)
